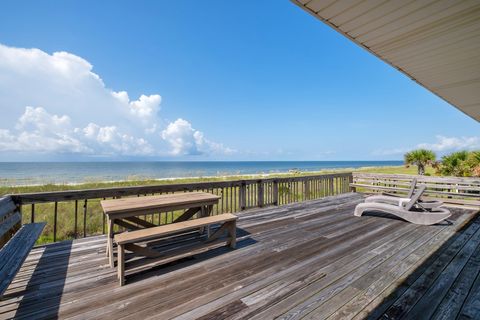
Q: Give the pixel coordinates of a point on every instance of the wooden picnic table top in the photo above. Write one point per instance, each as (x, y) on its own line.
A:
(159, 203)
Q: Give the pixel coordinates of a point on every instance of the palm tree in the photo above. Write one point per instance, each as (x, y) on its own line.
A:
(420, 158)
(455, 164)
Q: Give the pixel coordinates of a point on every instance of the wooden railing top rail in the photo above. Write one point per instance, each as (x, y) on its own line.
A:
(39, 197)
(408, 177)
(431, 191)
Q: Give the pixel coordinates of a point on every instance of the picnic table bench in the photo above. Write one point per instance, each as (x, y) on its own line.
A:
(125, 213)
(129, 240)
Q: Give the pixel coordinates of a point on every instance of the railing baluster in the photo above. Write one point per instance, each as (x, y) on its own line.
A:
(289, 198)
(222, 200)
(55, 223)
(235, 195)
(75, 231)
(103, 222)
(275, 192)
(243, 195)
(229, 199)
(32, 216)
(85, 218)
(226, 199)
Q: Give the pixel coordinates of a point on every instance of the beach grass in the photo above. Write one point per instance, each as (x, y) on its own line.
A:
(145, 182)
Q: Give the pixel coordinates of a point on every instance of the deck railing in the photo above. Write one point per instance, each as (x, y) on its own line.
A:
(451, 190)
(77, 213)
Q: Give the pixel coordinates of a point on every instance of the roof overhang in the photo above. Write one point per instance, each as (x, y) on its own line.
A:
(434, 42)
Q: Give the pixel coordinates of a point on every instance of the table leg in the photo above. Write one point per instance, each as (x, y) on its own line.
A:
(205, 211)
(121, 265)
(201, 214)
(209, 213)
(110, 243)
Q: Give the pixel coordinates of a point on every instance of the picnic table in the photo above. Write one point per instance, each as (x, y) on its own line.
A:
(125, 212)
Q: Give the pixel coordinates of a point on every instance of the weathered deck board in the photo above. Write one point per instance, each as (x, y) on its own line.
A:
(311, 260)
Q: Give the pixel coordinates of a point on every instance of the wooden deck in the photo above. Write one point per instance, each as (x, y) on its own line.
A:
(311, 260)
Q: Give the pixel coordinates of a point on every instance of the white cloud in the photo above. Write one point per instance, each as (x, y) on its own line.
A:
(442, 145)
(56, 103)
(115, 142)
(184, 140)
(180, 135)
(145, 108)
(452, 144)
(40, 120)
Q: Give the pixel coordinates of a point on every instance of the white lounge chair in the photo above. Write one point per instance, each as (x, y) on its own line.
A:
(425, 204)
(411, 210)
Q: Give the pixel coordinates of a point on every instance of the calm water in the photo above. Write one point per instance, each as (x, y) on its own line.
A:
(27, 173)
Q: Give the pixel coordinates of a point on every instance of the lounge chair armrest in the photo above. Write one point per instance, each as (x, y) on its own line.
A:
(402, 202)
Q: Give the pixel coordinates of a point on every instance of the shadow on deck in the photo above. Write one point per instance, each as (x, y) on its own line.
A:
(311, 260)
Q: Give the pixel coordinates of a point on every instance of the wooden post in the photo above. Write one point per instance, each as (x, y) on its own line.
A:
(275, 192)
(243, 195)
(350, 181)
(260, 194)
(32, 216)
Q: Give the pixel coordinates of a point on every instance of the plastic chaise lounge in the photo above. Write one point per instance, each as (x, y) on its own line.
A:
(411, 211)
(426, 204)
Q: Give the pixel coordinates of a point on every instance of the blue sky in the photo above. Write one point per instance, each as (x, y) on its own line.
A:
(244, 80)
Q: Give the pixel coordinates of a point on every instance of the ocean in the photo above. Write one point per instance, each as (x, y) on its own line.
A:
(34, 173)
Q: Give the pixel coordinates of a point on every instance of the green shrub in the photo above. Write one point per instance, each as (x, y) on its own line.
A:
(460, 164)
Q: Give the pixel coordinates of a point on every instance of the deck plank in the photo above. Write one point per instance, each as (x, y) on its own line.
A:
(312, 260)
(425, 308)
(450, 306)
(377, 307)
(418, 289)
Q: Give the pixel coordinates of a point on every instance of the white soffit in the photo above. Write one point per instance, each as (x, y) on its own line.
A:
(434, 42)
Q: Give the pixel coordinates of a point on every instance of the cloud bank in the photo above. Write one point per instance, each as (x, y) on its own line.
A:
(55, 103)
(442, 145)
(452, 144)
